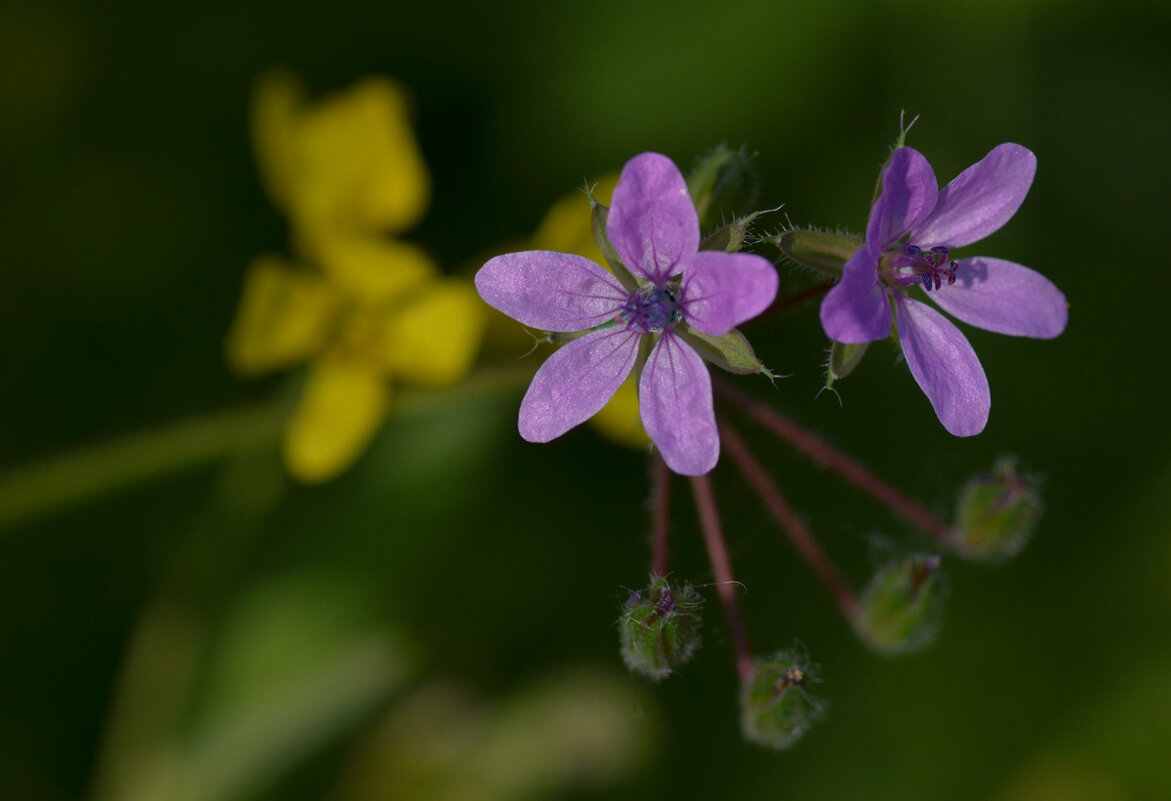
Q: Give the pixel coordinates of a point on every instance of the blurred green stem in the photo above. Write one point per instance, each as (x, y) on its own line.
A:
(60, 481)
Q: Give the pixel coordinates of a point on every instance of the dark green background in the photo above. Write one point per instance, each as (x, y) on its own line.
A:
(129, 206)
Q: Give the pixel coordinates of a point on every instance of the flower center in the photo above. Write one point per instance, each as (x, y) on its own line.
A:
(912, 263)
(650, 309)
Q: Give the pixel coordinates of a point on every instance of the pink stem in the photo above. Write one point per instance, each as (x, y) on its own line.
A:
(660, 525)
(840, 463)
(717, 551)
(790, 522)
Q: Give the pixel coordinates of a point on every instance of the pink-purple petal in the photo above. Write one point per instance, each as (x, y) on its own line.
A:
(980, 199)
(576, 382)
(675, 400)
(908, 196)
(945, 367)
(857, 309)
(550, 291)
(1004, 297)
(652, 222)
(722, 290)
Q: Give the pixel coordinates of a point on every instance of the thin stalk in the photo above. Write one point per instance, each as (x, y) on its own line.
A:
(821, 451)
(717, 551)
(790, 522)
(661, 524)
(60, 481)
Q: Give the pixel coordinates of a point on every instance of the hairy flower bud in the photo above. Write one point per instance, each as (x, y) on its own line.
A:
(901, 606)
(997, 513)
(825, 252)
(776, 707)
(659, 628)
(722, 185)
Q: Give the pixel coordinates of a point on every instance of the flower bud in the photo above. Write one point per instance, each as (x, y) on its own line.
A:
(900, 608)
(722, 184)
(776, 707)
(822, 251)
(997, 513)
(659, 628)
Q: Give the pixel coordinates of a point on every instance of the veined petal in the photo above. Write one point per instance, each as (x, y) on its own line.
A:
(652, 221)
(550, 291)
(908, 196)
(675, 395)
(722, 290)
(342, 407)
(575, 382)
(980, 199)
(433, 339)
(856, 310)
(945, 367)
(618, 419)
(1004, 297)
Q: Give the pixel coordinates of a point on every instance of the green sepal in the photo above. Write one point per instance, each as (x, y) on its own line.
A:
(598, 215)
(730, 237)
(731, 352)
(843, 359)
(721, 183)
(819, 250)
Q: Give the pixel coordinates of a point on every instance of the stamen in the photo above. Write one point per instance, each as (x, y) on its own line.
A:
(649, 310)
(928, 266)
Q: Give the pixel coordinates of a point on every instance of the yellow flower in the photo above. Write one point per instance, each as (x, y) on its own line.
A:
(567, 229)
(366, 312)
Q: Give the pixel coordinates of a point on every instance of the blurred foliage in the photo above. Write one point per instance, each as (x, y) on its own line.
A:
(431, 597)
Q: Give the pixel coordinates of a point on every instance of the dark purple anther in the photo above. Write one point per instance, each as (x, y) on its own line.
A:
(666, 604)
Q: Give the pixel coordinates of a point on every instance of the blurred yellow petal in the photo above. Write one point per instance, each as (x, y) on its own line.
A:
(356, 162)
(433, 340)
(619, 420)
(372, 269)
(275, 100)
(283, 317)
(342, 407)
(566, 228)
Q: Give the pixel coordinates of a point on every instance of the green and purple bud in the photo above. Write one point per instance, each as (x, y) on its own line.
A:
(997, 513)
(900, 608)
(659, 628)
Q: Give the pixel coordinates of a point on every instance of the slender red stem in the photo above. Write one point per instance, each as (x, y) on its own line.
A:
(661, 524)
(790, 522)
(840, 463)
(717, 551)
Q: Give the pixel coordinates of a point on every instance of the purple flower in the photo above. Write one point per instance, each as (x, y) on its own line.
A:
(912, 230)
(654, 228)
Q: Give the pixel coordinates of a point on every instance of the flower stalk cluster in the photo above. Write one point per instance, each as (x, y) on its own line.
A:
(672, 294)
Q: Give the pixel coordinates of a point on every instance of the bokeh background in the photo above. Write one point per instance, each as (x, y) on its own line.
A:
(438, 622)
